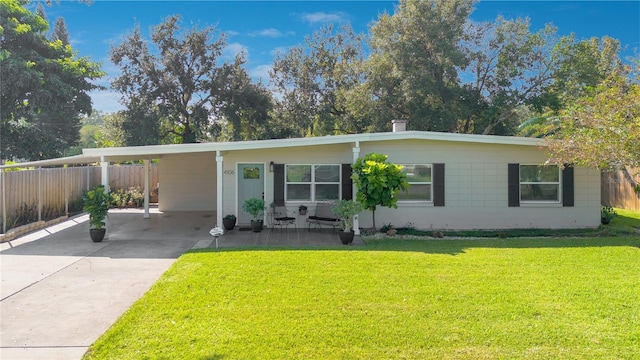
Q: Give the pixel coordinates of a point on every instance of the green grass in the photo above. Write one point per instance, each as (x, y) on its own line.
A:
(393, 299)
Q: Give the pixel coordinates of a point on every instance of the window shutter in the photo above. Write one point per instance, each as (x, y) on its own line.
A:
(567, 186)
(278, 184)
(346, 182)
(514, 185)
(438, 184)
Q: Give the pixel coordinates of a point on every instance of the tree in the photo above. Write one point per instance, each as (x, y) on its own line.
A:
(316, 81)
(602, 129)
(173, 92)
(60, 31)
(378, 182)
(416, 55)
(44, 87)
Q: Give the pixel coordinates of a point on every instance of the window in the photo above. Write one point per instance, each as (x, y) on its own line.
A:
(419, 178)
(540, 183)
(312, 182)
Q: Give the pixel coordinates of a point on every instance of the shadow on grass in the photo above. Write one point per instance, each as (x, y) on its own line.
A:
(456, 246)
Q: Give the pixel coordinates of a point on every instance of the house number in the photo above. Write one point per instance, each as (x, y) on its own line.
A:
(229, 172)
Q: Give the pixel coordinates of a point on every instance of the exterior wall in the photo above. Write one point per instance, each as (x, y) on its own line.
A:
(476, 184)
(187, 182)
(476, 195)
(330, 154)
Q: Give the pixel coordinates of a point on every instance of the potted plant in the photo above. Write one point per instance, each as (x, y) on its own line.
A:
(96, 203)
(606, 214)
(255, 207)
(346, 210)
(302, 210)
(229, 222)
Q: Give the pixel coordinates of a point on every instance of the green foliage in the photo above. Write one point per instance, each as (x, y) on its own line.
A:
(386, 227)
(607, 213)
(188, 60)
(96, 203)
(133, 196)
(230, 217)
(392, 299)
(378, 182)
(45, 87)
(601, 130)
(254, 206)
(346, 210)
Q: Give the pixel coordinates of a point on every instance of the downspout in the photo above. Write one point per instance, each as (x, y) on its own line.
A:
(356, 221)
(146, 189)
(219, 173)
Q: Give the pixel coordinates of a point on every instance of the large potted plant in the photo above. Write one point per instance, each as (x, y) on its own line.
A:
(346, 210)
(229, 222)
(255, 207)
(96, 203)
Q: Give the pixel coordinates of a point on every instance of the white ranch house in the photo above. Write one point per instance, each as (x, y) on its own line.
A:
(459, 181)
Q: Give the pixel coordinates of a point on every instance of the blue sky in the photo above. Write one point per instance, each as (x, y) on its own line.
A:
(261, 28)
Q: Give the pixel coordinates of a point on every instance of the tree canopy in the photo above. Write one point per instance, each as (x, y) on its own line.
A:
(44, 86)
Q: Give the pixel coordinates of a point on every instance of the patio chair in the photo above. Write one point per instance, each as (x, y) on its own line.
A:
(283, 218)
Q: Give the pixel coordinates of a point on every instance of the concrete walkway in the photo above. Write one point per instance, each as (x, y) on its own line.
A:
(60, 291)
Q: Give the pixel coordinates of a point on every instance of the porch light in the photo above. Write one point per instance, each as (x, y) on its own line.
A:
(271, 166)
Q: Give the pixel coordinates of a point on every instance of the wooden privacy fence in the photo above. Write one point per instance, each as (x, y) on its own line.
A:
(617, 189)
(41, 194)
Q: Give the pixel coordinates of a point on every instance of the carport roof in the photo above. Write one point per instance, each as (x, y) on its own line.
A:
(157, 151)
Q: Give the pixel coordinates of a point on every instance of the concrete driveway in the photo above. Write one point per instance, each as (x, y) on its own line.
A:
(60, 291)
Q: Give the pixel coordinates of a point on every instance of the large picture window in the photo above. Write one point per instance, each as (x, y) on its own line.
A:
(540, 183)
(419, 176)
(312, 182)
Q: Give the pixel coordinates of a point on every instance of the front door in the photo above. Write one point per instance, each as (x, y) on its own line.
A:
(250, 185)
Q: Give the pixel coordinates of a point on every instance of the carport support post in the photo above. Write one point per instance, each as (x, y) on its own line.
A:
(4, 203)
(146, 189)
(356, 221)
(39, 194)
(219, 173)
(104, 180)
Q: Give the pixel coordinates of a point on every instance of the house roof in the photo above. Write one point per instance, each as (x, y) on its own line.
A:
(157, 151)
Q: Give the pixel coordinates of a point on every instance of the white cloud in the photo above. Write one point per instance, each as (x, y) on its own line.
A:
(260, 73)
(272, 33)
(231, 50)
(106, 101)
(279, 50)
(232, 33)
(323, 17)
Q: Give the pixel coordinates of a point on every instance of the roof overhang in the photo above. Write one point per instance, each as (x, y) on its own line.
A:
(158, 151)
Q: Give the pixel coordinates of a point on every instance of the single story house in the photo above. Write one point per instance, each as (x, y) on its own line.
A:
(458, 181)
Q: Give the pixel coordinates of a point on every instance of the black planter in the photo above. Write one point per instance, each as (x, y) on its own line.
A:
(97, 234)
(229, 224)
(346, 237)
(256, 225)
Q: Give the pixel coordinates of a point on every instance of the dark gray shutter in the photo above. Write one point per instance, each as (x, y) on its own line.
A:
(567, 185)
(347, 183)
(514, 185)
(278, 184)
(438, 184)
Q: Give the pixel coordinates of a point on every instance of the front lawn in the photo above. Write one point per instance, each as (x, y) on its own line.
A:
(393, 299)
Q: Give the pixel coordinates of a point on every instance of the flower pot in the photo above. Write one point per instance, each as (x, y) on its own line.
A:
(256, 225)
(346, 236)
(97, 234)
(229, 224)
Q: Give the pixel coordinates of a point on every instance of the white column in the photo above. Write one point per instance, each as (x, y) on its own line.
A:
(104, 180)
(4, 202)
(146, 189)
(39, 194)
(356, 221)
(219, 176)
